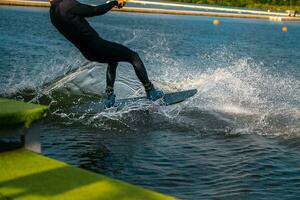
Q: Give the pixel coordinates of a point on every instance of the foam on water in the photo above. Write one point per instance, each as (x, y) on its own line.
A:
(242, 95)
(253, 98)
(33, 77)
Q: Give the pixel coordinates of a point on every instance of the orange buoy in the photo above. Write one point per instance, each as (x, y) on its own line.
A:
(284, 29)
(216, 22)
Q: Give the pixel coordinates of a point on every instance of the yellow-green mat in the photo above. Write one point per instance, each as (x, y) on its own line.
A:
(30, 176)
(14, 113)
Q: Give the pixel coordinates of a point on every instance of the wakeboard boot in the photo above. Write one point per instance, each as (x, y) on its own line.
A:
(110, 97)
(152, 93)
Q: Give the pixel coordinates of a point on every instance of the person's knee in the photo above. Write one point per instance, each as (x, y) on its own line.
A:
(89, 56)
(134, 57)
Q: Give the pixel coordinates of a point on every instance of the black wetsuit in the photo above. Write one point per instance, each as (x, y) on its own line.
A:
(68, 16)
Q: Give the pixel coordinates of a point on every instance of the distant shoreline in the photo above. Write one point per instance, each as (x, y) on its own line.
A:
(165, 11)
(287, 5)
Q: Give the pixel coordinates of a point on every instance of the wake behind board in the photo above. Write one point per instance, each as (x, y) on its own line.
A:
(93, 108)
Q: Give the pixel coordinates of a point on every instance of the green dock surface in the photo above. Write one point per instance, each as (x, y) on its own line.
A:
(13, 113)
(30, 176)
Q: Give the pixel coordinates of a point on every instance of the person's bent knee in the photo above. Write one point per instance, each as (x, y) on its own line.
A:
(89, 56)
(134, 57)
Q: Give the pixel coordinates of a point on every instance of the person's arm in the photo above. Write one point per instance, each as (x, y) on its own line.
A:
(85, 10)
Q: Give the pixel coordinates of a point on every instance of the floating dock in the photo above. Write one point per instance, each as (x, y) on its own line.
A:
(216, 11)
(25, 174)
(14, 113)
(17, 117)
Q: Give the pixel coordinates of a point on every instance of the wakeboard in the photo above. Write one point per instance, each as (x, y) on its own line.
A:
(168, 99)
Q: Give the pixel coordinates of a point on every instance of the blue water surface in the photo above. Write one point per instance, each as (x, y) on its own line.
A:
(238, 138)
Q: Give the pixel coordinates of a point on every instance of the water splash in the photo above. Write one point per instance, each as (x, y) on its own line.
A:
(241, 92)
(29, 80)
(237, 95)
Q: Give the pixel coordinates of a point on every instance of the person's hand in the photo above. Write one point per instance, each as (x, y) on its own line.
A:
(121, 3)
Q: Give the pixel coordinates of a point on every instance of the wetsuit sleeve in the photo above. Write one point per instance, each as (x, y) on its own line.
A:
(85, 10)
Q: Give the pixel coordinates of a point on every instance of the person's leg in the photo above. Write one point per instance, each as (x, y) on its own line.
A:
(112, 52)
(139, 68)
(111, 75)
(141, 73)
(115, 52)
(109, 99)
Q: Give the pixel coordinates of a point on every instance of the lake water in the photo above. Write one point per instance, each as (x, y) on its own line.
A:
(238, 138)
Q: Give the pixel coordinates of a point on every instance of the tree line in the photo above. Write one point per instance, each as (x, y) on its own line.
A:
(263, 4)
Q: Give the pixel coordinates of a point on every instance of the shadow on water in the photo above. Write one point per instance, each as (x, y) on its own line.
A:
(234, 165)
